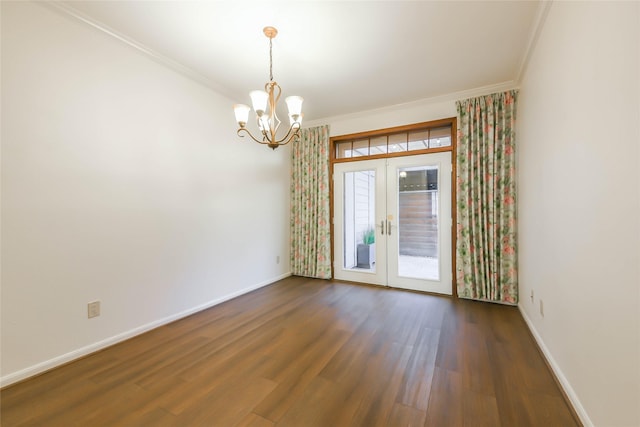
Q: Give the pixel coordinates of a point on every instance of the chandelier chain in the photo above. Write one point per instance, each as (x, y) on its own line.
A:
(270, 59)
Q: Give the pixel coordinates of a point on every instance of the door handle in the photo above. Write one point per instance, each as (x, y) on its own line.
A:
(382, 227)
(388, 228)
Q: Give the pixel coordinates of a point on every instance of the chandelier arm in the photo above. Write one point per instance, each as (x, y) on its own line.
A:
(276, 98)
(251, 136)
(274, 122)
(293, 133)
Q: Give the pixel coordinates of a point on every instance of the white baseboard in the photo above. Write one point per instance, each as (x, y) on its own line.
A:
(92, 348)
(564, 383)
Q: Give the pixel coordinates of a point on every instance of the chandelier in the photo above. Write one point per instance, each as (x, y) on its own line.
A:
(265, 103)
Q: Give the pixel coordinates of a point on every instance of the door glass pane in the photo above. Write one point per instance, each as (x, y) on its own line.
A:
(418, 140)
(378, 145)
(359, 221)
(343, 150)
(398, 143)
(360, 148)
(440, 137)
(418, 222)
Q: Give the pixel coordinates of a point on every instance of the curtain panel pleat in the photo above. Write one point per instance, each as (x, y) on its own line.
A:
(486, 248)
(310, 228)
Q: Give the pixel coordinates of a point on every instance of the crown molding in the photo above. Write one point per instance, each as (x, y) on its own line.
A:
(450, 97)
(72, 12)
(534, 35)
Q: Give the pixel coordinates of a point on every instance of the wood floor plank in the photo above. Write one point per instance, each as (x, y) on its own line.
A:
(105, 408)
(451, 346)
(306, 352)
(480, 409)
(157, 418)
(446, 400)
(417, 376)
(406, 416)
(197, 391)
(45, 404)
(139, 366)
(49, 390)
(477, 369)
(293, 381)
(229, 403)
(549, 409)
(221, 354)
(316, 407)
(253, 420)
(372, 391)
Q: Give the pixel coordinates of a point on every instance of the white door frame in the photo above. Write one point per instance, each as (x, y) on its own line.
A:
(385, 272)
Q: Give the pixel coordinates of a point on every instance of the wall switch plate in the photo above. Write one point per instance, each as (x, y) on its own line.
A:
(93, 309)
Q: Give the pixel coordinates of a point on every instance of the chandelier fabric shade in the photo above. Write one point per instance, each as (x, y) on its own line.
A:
(265, 103)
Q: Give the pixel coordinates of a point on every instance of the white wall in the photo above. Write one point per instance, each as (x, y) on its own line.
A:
(122, 181)
(579, 204)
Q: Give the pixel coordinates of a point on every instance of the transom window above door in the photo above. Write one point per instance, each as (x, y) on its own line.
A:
(401, 142)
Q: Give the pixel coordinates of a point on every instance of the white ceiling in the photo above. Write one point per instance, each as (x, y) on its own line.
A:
(341, 56)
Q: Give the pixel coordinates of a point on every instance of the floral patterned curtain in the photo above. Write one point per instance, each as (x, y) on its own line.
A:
(310, 228)
(486, 253)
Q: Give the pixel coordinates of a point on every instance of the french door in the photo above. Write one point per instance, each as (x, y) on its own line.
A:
(392, 222)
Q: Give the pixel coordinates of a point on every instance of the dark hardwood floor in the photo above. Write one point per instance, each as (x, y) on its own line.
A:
(305, 352)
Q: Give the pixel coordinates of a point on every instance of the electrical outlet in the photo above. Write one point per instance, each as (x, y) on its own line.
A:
(531, 295)
(278, 259)
(541, 309)
(93, 309)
